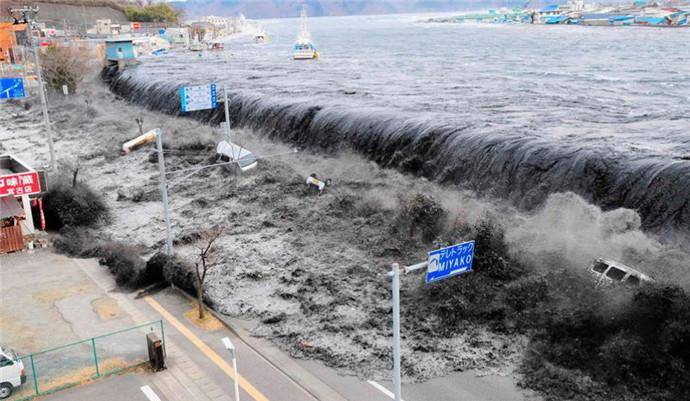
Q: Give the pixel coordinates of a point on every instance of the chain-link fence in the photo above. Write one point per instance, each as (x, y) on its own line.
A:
(62, 367)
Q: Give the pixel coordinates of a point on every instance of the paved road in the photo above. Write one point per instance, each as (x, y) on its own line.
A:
(115, 388)
(261, 379)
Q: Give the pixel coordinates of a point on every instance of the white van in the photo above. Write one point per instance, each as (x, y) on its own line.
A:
(609, 271)
(11, 372)
(227, 152)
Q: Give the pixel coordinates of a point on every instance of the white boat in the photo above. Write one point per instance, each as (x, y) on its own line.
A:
(304, 49)
(197, 47)
(261, 37)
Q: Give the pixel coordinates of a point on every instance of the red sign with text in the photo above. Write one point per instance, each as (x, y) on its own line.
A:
(20, 184)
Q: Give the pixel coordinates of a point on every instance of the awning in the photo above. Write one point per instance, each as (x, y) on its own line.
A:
(9, 207)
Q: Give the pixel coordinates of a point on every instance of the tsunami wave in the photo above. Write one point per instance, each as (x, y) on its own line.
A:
(524, 170)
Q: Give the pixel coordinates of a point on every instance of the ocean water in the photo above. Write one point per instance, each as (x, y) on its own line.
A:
(516, 111)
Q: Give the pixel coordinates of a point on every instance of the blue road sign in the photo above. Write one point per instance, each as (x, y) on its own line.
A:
(11, 88)
(199, 97)
(450, 261)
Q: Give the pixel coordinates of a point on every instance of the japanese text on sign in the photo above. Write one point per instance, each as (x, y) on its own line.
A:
(20, 184)
(450, 261)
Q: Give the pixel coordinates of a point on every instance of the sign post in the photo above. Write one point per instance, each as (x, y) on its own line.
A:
(441, 263)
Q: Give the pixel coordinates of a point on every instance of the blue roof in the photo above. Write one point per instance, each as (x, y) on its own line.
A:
(552, 7)
(599, 16)
(621, 17)
(556, 19)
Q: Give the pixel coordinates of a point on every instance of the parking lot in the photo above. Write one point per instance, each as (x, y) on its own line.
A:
(47, 301)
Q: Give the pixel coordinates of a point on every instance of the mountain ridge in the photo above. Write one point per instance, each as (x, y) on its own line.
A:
(318, 8)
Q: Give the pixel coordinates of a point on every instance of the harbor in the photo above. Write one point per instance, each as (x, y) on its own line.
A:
(577, 12)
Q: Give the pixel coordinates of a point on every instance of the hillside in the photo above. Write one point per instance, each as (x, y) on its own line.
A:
(291, 8)
(77, 14)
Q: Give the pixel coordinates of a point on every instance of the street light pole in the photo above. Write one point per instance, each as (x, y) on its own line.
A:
(397, 390)
(26, 13)
(227, 112)
(164, 192)
(231, 347)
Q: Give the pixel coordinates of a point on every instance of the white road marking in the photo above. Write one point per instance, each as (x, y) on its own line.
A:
(382, 389)
(148, 392)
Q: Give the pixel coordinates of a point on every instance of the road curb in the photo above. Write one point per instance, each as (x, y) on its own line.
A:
(277, 358)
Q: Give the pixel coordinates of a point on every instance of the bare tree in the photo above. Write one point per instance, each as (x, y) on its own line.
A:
(205, 255)
(64, 65)
(72, 165)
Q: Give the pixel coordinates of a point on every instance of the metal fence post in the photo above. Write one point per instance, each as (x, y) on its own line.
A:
(33, 373)
(396, 331)
(95, 357)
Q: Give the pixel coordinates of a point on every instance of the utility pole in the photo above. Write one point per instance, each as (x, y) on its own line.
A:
(227, 112)
(156, 135)
(26, 14)
(164, 192)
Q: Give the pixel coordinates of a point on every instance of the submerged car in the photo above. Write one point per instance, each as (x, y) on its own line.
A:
(608, 272)
(228, 152)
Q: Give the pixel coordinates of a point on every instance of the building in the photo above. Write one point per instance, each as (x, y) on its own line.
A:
(177, 36)
(11, 36)
(219, 22)
(19, 184)
(119, 49)
(103, 27)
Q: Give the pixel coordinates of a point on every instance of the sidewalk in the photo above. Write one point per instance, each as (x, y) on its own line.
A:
(183, 380)
(198, 365)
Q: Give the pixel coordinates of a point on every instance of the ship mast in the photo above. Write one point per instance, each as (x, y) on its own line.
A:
(303, 22)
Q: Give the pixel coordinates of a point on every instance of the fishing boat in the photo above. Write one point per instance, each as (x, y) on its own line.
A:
(303, 48)
(216, 46)
(261, 37)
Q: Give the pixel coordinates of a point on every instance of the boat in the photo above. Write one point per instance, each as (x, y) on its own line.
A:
(303, 48)
(216, 46)
(261, 37)
(197, 47)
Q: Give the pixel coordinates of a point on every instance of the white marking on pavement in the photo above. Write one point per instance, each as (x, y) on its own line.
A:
(382, 389)
(148, 392)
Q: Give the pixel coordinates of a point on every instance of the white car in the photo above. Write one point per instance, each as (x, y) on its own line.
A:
(11, 372)
(229, 152)
(608, 272)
